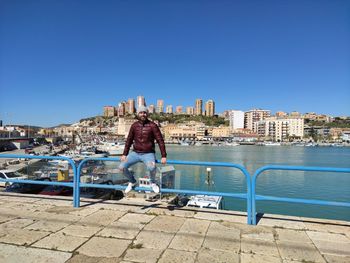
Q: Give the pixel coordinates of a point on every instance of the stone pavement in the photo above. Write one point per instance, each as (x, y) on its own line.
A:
(48, 229)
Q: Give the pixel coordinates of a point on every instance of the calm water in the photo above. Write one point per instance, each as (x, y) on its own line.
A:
(298, 184)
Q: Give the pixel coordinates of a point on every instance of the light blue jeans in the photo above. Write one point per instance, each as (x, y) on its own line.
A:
(149, 159)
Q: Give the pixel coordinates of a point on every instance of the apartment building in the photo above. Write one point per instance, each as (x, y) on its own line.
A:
(141, 101)
(255, 115)
(221, 131)
(190, 110)
(151, 109)
(181, 132)
(236, 119)
(179, 110)
(169, 109)
(122, 109)
(279, 129)
(109, 111)
(280, 114)
(210, 108)
(160, 106)
(130, 108)
(198, 109)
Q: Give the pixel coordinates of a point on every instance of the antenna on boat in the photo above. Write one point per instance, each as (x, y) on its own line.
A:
(208, 180)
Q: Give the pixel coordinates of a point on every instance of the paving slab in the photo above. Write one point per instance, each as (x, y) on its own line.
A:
(16, 254)
(330, 228)
(170, 224)
(61, 209)
(172, 212)
(104, 247)
(121, 230)
(197, 226)
(283, 223)
(187, 241)
(268, 236)
(23, 236)
(336, 258)
(17, 223)
(222, 238)
(54, 217)
(146, 255)
(221, 217)
(135, 218)
(47, 225)
(332, 237)
(255, 258)
(332, 247)
(5, 218)
(60, 241)
(83, 211)
(175, 256)
(299, 251)
(206, 255)
(80, 258)
(80, 230)
(292, 235)
(101, 218)
(260, 247)
(154, 239)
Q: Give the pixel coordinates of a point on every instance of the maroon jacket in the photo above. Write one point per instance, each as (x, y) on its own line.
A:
(142, 136)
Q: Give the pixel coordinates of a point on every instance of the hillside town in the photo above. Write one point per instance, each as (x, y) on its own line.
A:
(200, 123)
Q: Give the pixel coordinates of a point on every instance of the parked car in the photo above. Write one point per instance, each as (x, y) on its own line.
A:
(11, 174)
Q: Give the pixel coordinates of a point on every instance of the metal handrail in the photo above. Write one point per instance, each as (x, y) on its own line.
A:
(246, 196)
(250, 196)
(292, 200)
(42, 157)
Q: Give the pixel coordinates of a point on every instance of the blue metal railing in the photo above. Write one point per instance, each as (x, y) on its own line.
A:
(246, 196)
(250, 195)
(24, 156)
(256, 197)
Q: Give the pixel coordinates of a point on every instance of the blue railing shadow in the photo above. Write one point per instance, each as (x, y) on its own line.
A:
(256, 197)
(25, 156)
(246, 196)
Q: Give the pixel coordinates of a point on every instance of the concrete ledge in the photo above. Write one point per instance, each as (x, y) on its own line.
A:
(48, 229)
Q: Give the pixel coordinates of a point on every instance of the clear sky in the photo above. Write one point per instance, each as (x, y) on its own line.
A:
(61, 61)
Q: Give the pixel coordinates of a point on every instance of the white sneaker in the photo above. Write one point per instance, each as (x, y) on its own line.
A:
(155, 188)
(129, 187)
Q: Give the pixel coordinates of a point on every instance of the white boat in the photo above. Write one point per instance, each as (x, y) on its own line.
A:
(205, 201)
(231, 144)
(272, 144)
(59, 163)
(112, 148)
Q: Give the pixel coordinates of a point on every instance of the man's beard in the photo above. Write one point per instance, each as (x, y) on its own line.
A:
(143, 118)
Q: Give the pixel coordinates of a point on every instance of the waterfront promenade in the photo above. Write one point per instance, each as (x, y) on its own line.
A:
(48, 229)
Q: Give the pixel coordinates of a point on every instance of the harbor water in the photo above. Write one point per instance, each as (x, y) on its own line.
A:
(293, 184)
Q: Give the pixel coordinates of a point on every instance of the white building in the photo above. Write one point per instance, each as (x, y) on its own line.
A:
(255, 115)
(236, 118)
(279, 129)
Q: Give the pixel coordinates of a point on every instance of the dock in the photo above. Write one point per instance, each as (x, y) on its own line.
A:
(36, 228)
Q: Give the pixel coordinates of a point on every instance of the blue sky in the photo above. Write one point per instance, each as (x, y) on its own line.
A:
(61, 61)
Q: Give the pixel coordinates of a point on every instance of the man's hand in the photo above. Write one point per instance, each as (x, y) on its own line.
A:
(163, 161)
(123, 158)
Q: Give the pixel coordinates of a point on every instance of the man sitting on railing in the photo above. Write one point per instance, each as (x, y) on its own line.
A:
(142, 135)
